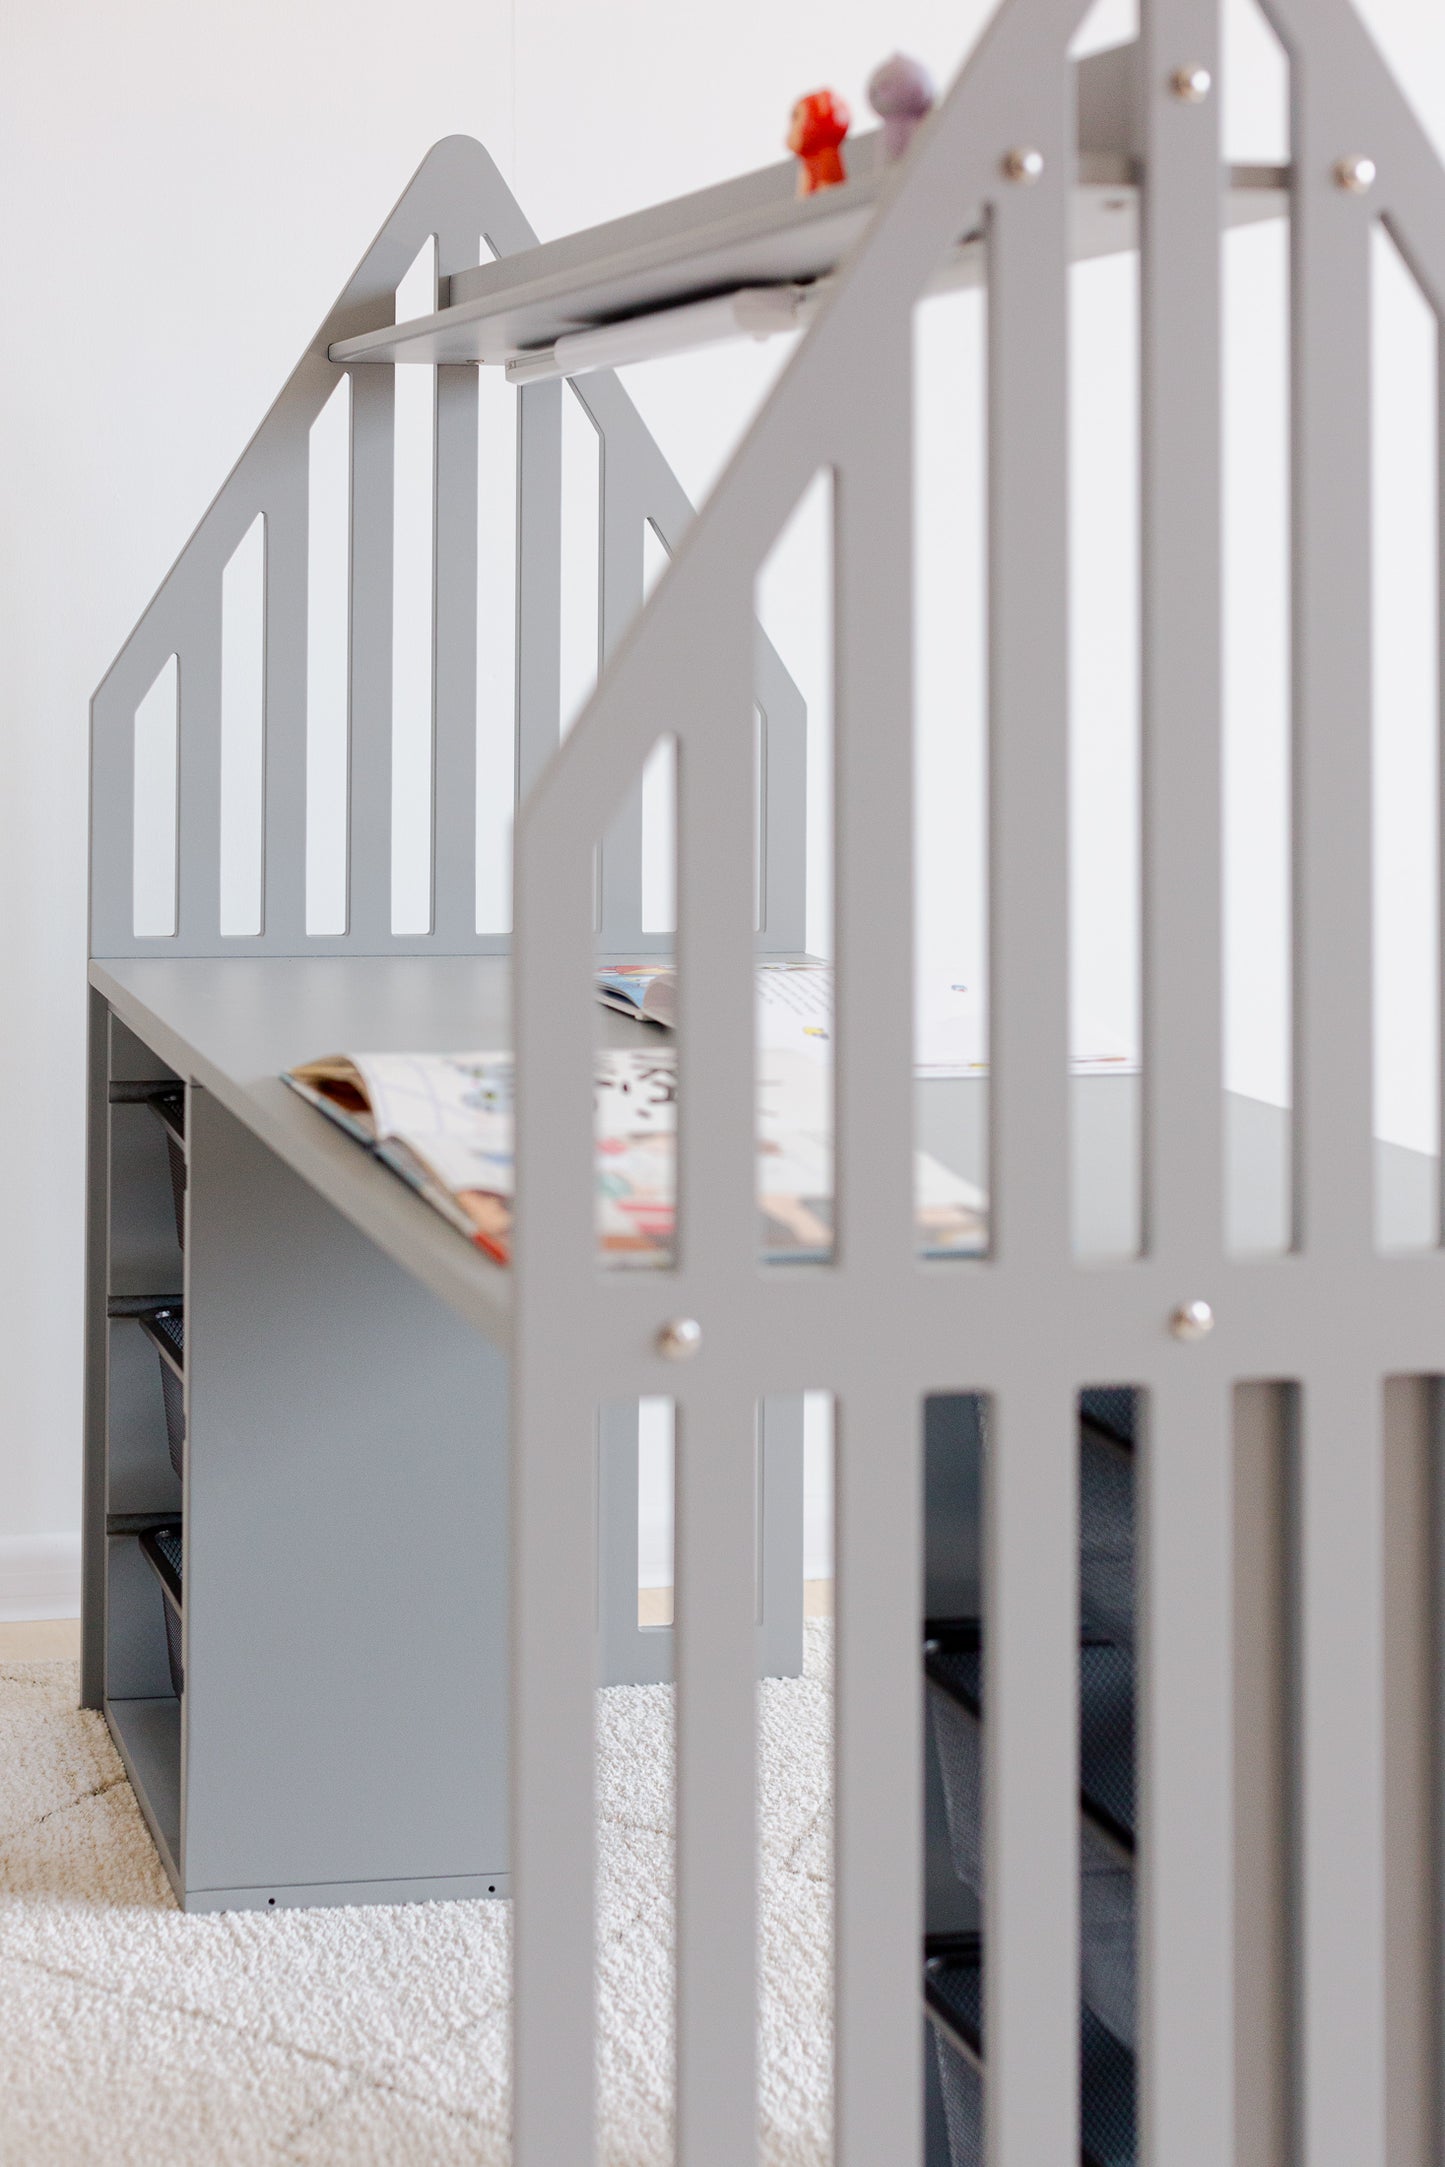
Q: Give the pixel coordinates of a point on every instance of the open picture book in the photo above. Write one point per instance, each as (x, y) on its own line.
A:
(443, 1122)
(795, 1013)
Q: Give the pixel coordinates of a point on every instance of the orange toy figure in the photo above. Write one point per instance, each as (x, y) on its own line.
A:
(818, 126)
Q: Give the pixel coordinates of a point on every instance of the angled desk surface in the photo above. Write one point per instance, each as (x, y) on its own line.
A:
(233, 1026)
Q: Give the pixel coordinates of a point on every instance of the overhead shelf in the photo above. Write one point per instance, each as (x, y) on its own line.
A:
(750, 257)
(743, 242)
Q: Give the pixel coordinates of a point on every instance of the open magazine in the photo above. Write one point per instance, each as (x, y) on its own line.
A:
(795, 1012)
(443, 1122)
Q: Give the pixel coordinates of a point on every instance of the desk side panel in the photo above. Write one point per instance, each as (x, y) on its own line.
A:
(346, 1657)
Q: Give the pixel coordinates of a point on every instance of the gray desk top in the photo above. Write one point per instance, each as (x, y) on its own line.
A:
(233, 1026)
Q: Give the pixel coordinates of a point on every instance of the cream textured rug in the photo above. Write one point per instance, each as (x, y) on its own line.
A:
(130, 2033)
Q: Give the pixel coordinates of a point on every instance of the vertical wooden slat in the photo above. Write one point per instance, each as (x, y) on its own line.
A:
(1340, 1897)
(1341, 1746)
(198, 809)
(454, 559)
(1185, 1867)
(1031, 1971)
(620, 566)
(1412, 1753)
(873, 901)
(1185, 1852)
(716, 1650)
(539, 578)
(878, 2074)
(369, 703)
(1333, 913)
(878, 1875)
(286, 577)
(1028, 734)
(554, 1613)
(1263, 1416)
(553, 1446)
(1182, 670)
(1031, 1910)
(716, 1600)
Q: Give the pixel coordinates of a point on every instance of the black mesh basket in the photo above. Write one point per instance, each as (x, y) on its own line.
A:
(166, 1330)
(164, 1553)
(169, 1108)
(955, 1691)
(953, 1989)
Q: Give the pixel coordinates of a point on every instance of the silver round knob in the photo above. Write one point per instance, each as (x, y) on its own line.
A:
(1023, 164)
(1357, 175)
(1191, 85)
(680, 1340)
(1192, 1320)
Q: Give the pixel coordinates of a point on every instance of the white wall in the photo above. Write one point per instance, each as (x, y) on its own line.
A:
(185, 190)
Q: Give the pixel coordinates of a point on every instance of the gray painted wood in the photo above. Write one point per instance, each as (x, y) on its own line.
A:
(1030, 1572)
(457, 194)
(1185, 1502)
(1332, 1319)
(97, 1247)
(346, 1550)
(751, 231)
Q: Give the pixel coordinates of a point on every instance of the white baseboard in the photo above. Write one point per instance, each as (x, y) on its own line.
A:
(39, 1577)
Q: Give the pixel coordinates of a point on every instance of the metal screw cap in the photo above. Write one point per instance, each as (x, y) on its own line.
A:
(1355, 174)
(1191, 85)
(680, 1340)
(1023, 164)
(1192, 1320)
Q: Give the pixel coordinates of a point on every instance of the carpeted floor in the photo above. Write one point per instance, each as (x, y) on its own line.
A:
(130, 2033)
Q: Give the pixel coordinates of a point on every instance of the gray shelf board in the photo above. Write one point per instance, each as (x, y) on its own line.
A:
(147, 1734)
(752, 231)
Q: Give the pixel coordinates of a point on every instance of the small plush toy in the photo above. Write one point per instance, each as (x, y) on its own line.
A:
(819, 124)
(901, 93)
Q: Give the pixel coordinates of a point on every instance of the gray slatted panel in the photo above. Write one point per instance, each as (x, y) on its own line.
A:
(198, 812)
(675, 648)
(620, 562)
(1185, 1717)
(539, 578)
(1032, 1773)
(369, 690)
(287, 572)
(456, 190)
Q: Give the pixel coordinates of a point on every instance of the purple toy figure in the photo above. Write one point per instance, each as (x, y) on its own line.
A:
(900, 93)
